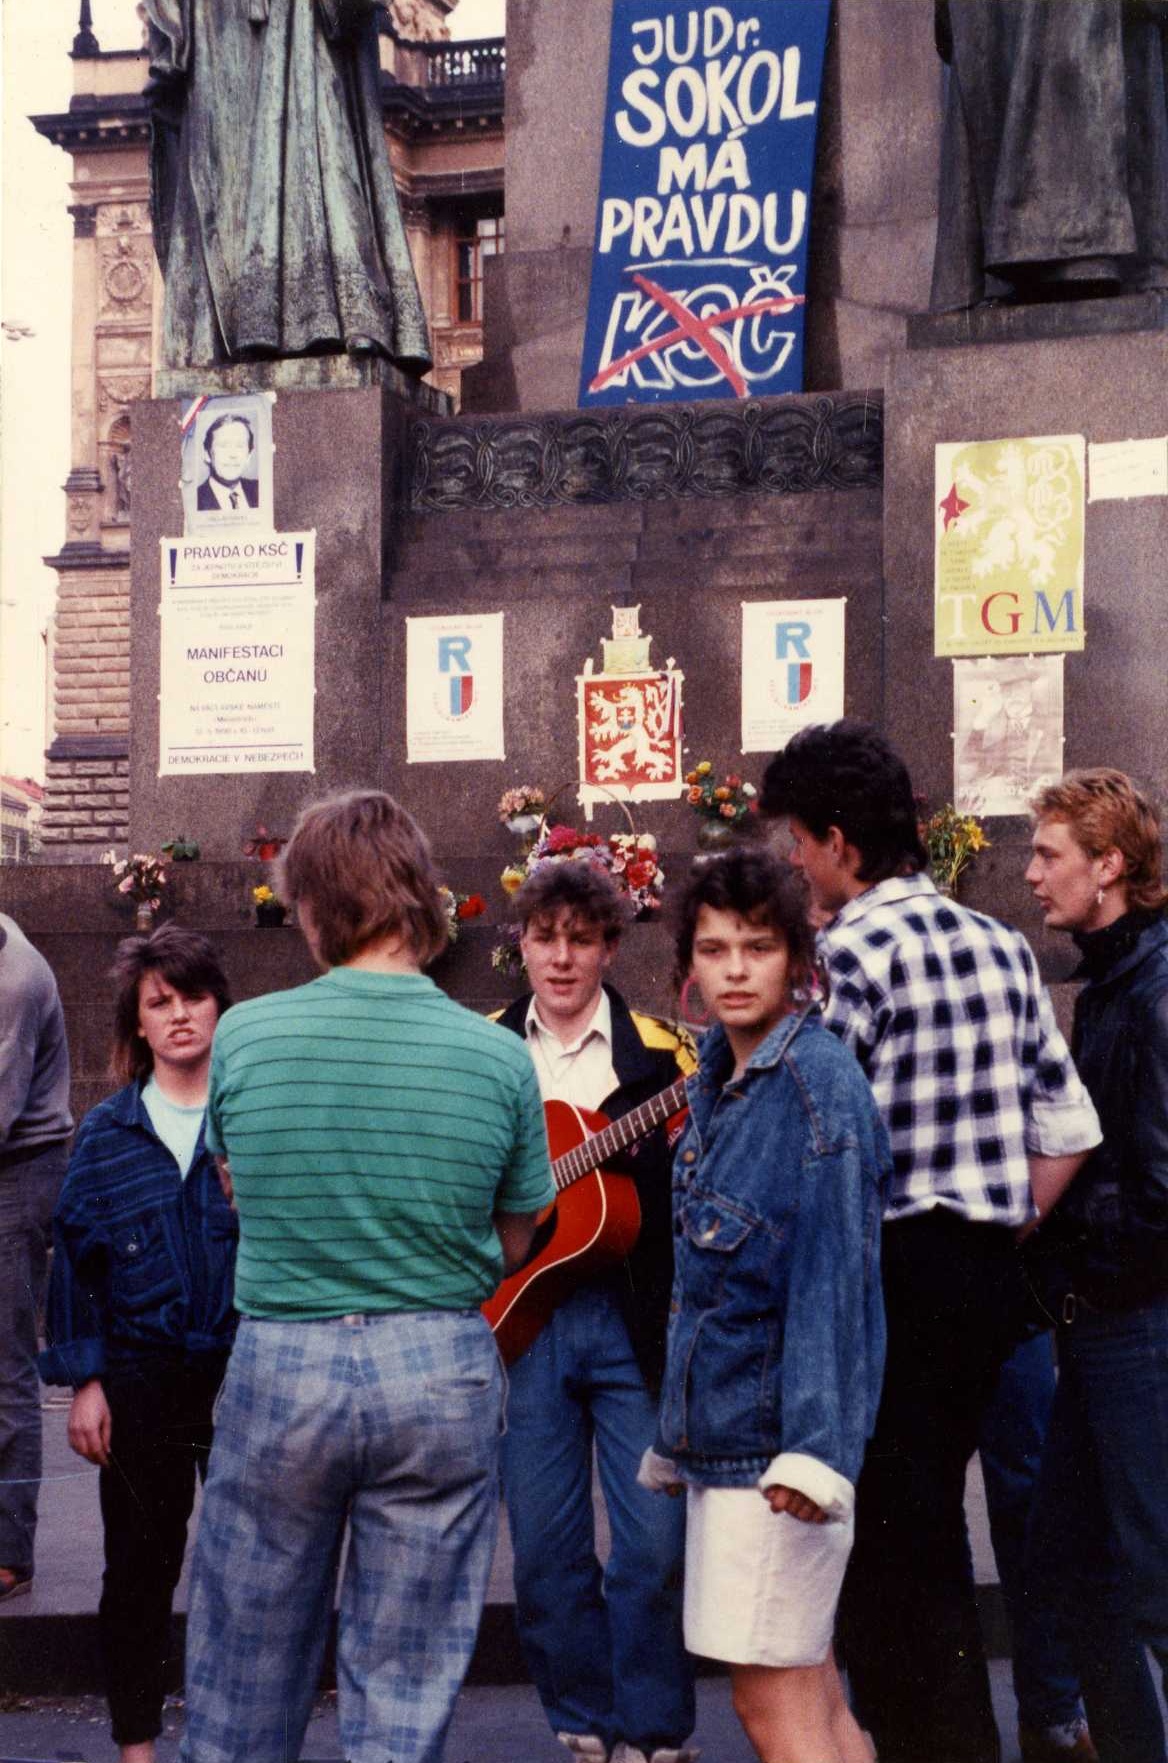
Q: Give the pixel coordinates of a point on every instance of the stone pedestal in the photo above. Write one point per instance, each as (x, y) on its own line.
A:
(339, 468)
(1107, 387)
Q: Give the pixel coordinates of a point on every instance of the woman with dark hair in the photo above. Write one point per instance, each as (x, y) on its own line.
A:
(140, 1318)
(776, 1329)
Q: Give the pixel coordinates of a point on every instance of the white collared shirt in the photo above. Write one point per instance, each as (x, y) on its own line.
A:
(581, 1071)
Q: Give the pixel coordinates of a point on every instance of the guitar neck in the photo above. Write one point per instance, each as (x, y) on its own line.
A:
(582, 1159)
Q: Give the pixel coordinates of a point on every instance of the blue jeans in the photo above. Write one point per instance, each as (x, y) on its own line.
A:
(28, 1192)
(604, 1649)
(1099, 1535)
(392, 1424)
(1010, 1445)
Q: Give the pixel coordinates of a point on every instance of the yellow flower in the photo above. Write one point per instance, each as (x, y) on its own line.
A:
(977, 838)
(512, 879)
(705, 768)
(262, 895)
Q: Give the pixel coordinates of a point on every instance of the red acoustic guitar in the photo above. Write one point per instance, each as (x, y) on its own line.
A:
(592, 1223)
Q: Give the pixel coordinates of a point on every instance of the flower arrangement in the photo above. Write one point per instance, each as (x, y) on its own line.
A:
(263, 844)
(952, 841)
(523, 800)
(269, 908)
(731, 800)
(460, 907)
(180, 849)
(629, 858)
(507, 956)
(140, 877)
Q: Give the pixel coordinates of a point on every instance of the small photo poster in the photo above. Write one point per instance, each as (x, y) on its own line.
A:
(454, 687)
(792, 668)
(1008, 731)
(1008, 527)
(227, 463)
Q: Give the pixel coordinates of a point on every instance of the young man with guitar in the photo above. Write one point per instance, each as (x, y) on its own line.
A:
(604, 1647)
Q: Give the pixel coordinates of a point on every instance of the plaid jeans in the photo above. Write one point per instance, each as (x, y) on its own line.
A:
(390, 1422)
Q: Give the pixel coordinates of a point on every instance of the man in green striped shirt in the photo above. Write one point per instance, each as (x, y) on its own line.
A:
(387, 1152)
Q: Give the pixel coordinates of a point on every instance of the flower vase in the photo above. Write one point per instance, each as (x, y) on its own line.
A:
(270, 914)
(524, 827)
(716, 835)
(144, 917)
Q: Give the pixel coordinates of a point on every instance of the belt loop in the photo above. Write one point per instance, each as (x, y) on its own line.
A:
(1070, 1305)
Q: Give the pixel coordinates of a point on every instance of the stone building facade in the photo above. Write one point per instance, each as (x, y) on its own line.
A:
(443, 106)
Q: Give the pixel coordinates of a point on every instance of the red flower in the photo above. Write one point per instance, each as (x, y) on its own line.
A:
(641, 874)
(473, 907)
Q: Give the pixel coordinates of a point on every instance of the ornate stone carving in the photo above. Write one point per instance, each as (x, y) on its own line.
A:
(782, 446)
(77, 513)
(124, 278)
(118, 218)
(113, 394)
(417, 21)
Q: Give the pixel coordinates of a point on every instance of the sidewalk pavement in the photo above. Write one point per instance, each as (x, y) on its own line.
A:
(491, 1725)
(48, 1639)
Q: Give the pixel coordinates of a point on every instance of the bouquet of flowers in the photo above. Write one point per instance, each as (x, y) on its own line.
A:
(523, 800)
(630, 859)
(731, 800)
(460, 907)
(952, 841)
(140, 877)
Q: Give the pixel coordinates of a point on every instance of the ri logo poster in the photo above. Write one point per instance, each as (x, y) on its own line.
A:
(454, 687)
(699, 269)
(792, 668)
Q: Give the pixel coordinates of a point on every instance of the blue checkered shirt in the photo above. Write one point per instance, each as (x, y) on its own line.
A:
(946, 1014)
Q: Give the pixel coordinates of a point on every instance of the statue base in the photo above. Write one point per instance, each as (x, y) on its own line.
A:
(303, 373)
(1038, 320)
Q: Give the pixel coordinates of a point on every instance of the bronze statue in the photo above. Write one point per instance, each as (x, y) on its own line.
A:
(276, 220)
(1054, 179)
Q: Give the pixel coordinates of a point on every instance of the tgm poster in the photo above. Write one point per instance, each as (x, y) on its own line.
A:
(238, 618)
(454, 687)
(1008, 520)
(792, 668)
(699, 266)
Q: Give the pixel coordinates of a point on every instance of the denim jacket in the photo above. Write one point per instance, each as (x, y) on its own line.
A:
(143, 1261)
(776, 1331)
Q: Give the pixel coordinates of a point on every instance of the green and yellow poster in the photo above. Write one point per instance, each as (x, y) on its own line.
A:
(1008, 546)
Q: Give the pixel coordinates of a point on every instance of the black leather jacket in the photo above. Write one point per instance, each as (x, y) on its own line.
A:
(1112, 1224)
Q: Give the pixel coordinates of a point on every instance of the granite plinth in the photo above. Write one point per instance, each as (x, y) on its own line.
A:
(1001, 322)
(302, 373)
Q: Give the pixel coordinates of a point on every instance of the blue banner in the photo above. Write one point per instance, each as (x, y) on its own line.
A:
(699, 269)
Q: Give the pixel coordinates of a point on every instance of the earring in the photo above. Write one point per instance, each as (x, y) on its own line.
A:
(1099, 895)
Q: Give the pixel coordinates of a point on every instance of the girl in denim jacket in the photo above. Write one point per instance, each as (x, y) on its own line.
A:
(776, 1333)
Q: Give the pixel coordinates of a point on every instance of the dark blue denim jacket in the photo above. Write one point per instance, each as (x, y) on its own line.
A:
(776, 1331)
(143, 1261)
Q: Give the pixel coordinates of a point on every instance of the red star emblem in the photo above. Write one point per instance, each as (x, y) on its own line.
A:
(952, 506)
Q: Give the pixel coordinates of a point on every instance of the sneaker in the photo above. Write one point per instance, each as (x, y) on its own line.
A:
(630, 1754)
(585, 1744)
(13, 1583)
(1069, 1743)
